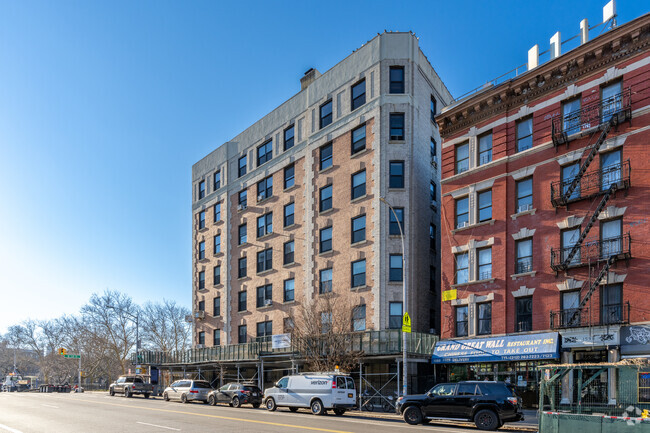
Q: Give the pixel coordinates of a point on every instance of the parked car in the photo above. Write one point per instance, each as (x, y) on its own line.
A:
(236, 394)
(316, 391)
(129, 385)
(487, 404)
(188, 390)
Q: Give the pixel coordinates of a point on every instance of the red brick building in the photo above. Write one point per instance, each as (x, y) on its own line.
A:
(546, 201)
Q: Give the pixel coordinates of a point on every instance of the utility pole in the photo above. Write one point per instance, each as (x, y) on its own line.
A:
(79, 371)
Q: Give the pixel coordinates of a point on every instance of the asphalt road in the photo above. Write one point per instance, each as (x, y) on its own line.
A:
(98, 413)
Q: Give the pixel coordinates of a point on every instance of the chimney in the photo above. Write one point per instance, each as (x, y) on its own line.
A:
(309, 77)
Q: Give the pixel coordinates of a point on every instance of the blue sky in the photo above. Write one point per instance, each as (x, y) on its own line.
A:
(105, 106)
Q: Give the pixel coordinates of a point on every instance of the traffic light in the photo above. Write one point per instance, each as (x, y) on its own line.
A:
(62, 351)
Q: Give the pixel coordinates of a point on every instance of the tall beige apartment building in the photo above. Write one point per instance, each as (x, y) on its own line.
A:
(290, 208)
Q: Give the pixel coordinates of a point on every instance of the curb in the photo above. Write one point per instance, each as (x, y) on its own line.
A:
(507, 427)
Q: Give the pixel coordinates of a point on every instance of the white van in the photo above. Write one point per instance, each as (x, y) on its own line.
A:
(317, 391)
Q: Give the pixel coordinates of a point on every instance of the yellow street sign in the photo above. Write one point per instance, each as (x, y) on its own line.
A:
(449, 295)
(406, 323)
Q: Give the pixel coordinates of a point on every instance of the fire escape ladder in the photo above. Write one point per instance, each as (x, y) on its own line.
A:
(603, 202)
(594, 285)
(594, 151)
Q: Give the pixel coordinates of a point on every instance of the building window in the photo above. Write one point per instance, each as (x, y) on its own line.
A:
(325, 280)
(325, 195)
(358, 139)
(610, 237)
(202, 338)
(265, 260)
(326, 156)
(359, 273)
(288, 252)
(359, 318)
(217, 244)
(432, 279)
(395, 272)
(201, 250)
(433, 108)
(288, 138)
(326, 321)
(612, 304)
(264, 152)
(243, 234)
(571, 116)
(326, 239)
(217, 180)
(216, 337)
(610, 100)
(201, 189)
(610, 169)
(462, 268)
(216, 275)
(432, 236)
(525, 195)
(525, 134)
(395, 315)
(243, 267)
(201, 280)
(396, 79)
(242, 334)
(462, 158)
(265, 188)
(216, 306)
(432, 192)
(525, 314)
(265, 225)
(397, 126)
(241, 304)
(569, 305)
(358, 94)
(484, 263)
(569, 238)
(289, 176)
(461, 321)
(217, 212)
(243, 199)
(359, 184)
(288, 214)
(201, 220)
(433, 149)
(396, 176)
(396, 221)
(264, 295)
(358, 229)
(462, 212)
(524, 251)
(485, 205)
(264, 330)
(485, 149)
(242, 166)
(569, 172)
(485, 318)
(201, 306)
(289, 288)
(325, 114)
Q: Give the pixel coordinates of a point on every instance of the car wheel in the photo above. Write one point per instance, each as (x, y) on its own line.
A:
(486, 420)
(413, 415)
(127, 393)
(293, 409)
(317, 407)
(256, 405)
(183, 398)
(270, 404)
(165, 397)
(212, 401)
(146, 395)
(339, 412)
(111, 392)
(235, 402)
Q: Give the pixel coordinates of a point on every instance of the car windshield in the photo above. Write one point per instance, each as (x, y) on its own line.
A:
(137, 380)
(200, 384)
(444, 389)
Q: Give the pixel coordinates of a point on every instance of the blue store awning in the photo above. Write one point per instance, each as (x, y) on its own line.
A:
(495, 349)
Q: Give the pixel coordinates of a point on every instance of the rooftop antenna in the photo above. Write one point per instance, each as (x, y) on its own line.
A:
(609, 12)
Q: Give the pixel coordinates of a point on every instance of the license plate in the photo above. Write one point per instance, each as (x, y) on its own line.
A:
(254, 394)
(349, 395)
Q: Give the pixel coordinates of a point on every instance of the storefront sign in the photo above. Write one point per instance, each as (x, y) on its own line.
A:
(635, 340)
(494, 349)
(280, 341)
(597, 337)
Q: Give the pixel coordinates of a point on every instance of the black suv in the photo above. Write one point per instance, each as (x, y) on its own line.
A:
(236, 394)
(488, 404)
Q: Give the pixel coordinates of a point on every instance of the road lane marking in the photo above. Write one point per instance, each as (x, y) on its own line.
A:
(9, 429)
(221, 417)
(49, 405)
(159, 426)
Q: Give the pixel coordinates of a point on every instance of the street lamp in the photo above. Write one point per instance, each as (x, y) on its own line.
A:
(404, 363)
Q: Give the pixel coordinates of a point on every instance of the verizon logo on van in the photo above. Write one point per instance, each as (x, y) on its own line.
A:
(319, 382)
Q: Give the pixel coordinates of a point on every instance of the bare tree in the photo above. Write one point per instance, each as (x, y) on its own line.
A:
(164, 327)
(321, 333)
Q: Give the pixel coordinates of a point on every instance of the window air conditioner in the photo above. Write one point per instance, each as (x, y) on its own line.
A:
(260, 197)
(268, 302)
(199, 314)
(241, 206)
(200, 346)
(525, 207)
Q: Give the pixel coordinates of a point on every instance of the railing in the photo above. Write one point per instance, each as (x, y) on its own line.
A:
(592, 184)
(575, 317)
(369, 343)
(591, 116)
(593, 252)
